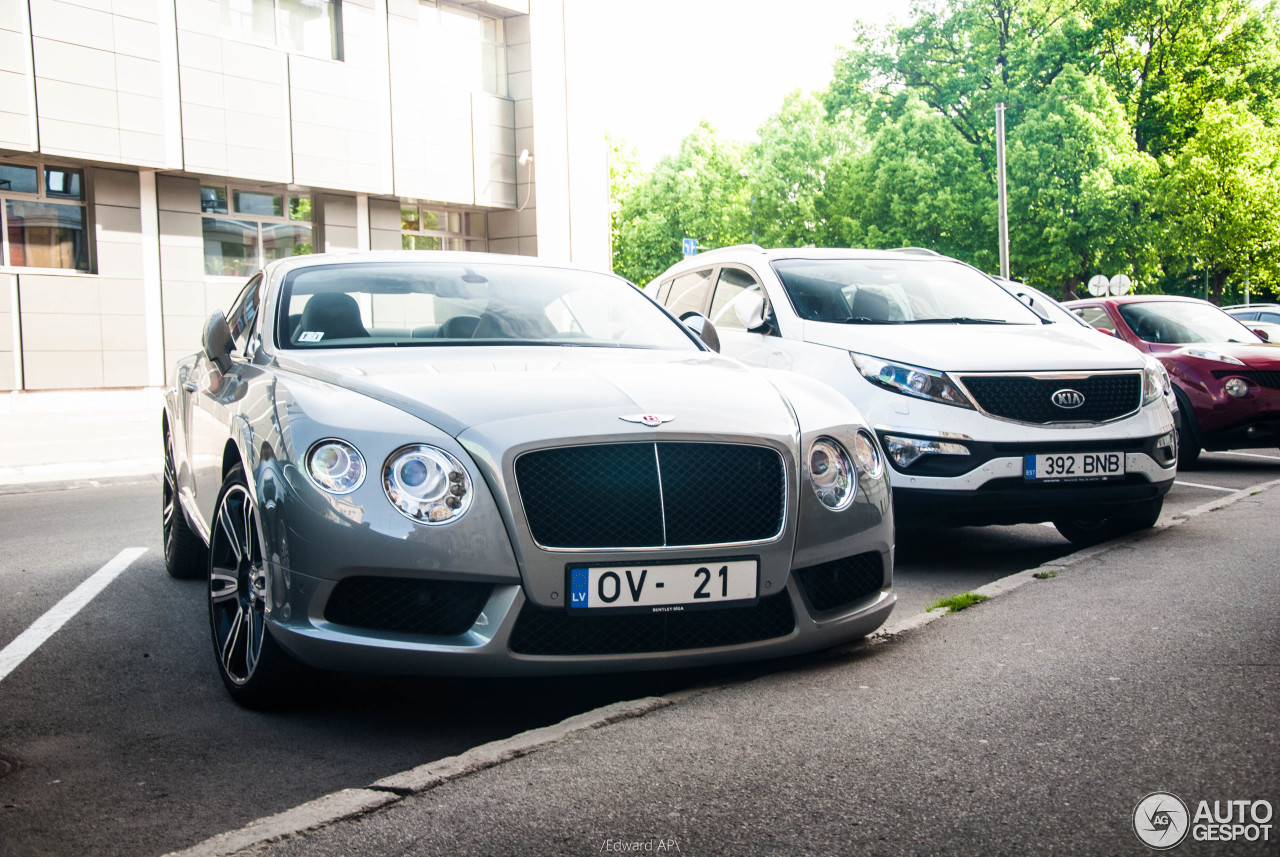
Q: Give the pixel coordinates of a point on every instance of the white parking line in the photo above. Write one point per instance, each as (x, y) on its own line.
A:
(1253, 455)
(1210, 487)
(47, 625)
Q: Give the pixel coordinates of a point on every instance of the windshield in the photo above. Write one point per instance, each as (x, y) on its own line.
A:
(362, 305)
(897, 291)
(1181, 323)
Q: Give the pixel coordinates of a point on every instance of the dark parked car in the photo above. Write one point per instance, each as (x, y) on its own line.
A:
(1226, 378)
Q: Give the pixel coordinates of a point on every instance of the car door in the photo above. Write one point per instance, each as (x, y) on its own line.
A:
(215, 396)
(760, 346)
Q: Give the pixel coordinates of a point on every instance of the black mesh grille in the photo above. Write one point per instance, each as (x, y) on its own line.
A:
(540, 631)
(406, 606)
(1030, 400)
(1261, 377)
(614, 495)
(839, 583)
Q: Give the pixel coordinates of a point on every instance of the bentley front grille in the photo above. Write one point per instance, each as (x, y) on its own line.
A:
(648, 495)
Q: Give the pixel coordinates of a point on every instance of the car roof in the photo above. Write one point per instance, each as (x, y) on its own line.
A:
(1137, 299)
(745, 252)
(456, 257)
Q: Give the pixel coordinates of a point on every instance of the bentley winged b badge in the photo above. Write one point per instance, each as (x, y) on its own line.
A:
(650, 420)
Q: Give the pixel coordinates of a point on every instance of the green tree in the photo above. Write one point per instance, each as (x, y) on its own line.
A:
(1078, 189)
(1220, 197)
(698, 193)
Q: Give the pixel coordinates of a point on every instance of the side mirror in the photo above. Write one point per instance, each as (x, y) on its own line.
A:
(749, 307)
(702, 326)
(217, 342)
(1263, 335)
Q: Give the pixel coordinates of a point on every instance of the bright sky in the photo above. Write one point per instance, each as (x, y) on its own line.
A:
(666, 64)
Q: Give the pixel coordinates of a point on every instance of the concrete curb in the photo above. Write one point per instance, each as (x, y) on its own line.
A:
(352, 803)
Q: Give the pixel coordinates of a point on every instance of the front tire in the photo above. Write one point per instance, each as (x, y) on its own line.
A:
(257, 672)
(185, 554)
(1086, 530)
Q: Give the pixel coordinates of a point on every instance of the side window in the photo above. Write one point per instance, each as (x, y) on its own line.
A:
(1269, 316)
(1097, 317)
(689, 292)
(730, 285)
(244, 313)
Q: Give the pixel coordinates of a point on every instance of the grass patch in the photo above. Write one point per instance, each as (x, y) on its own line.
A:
(1044, 575)
(958, 602)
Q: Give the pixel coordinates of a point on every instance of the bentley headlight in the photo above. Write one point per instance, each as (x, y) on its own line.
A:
(909, 380)
(831, 474)
(427, 485)
(867, 454)
(1155, 380)
(1208, 354)
(335, 466)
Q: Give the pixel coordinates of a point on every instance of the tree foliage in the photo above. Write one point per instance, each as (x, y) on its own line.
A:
(1141, 140)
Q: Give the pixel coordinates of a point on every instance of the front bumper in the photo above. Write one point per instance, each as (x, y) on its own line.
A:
(498, 641)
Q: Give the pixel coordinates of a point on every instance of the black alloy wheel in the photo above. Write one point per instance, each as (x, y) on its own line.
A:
(185, 554)
(256, 671)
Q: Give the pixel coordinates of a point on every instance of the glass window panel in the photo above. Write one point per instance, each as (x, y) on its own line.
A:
(431, 219)
(689, 293)
(213, 200)
(251, 20)
(426, 242)
(230, 247)
(310, 27)
(493, 58)
(300, 208)
(18, 179)
(63, 183)
(455, 222)
(251, 202)
(409, 217)
(281, 240)
(477, 225)
(44, 235)
(732, 284)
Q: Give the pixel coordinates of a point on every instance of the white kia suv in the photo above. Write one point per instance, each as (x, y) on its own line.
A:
(990, 413)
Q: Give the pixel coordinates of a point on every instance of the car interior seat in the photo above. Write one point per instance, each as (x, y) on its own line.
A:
(870, 305)
(336, 315)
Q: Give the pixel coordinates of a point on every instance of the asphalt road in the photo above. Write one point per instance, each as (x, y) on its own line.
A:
(116, 737)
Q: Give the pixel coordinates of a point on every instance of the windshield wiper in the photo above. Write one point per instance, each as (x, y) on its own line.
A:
(862, 319)
(957, 319)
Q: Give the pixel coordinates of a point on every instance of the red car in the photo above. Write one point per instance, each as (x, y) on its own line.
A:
(1226, 378)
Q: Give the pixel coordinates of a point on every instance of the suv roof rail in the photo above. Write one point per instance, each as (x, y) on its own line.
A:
(917, 251)
(754, 247)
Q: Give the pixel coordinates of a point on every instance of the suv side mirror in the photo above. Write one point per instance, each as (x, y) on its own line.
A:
(705, 330)
(217, 342)
(749, 307)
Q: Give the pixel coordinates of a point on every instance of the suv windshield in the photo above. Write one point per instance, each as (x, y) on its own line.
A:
(897, 291)
(362, 305)
(1183, 323)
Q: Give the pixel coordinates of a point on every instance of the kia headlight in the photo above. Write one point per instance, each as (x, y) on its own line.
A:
(427, 485)
(914, 381)
(1155, 380)
(1208, 354)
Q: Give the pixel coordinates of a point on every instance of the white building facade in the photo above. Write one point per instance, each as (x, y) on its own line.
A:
(154, 153)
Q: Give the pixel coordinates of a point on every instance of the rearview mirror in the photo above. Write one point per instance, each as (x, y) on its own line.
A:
(217, 342)
(702, 326)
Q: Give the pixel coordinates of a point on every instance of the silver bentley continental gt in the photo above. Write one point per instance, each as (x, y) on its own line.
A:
(457, 463)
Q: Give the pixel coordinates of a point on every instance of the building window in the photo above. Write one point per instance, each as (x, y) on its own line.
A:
(425, 227)
(468, 47)
(245, 228)
(312, 27)
(43, 217)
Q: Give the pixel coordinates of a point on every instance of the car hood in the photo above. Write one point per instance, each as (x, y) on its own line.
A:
(982, 347)
(584, 390)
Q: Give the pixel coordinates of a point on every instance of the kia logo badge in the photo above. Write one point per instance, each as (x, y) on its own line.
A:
(1068, 398)
(650, 420)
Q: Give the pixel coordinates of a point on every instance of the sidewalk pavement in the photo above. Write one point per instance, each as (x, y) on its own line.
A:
(1033, 723)
(61, 438)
